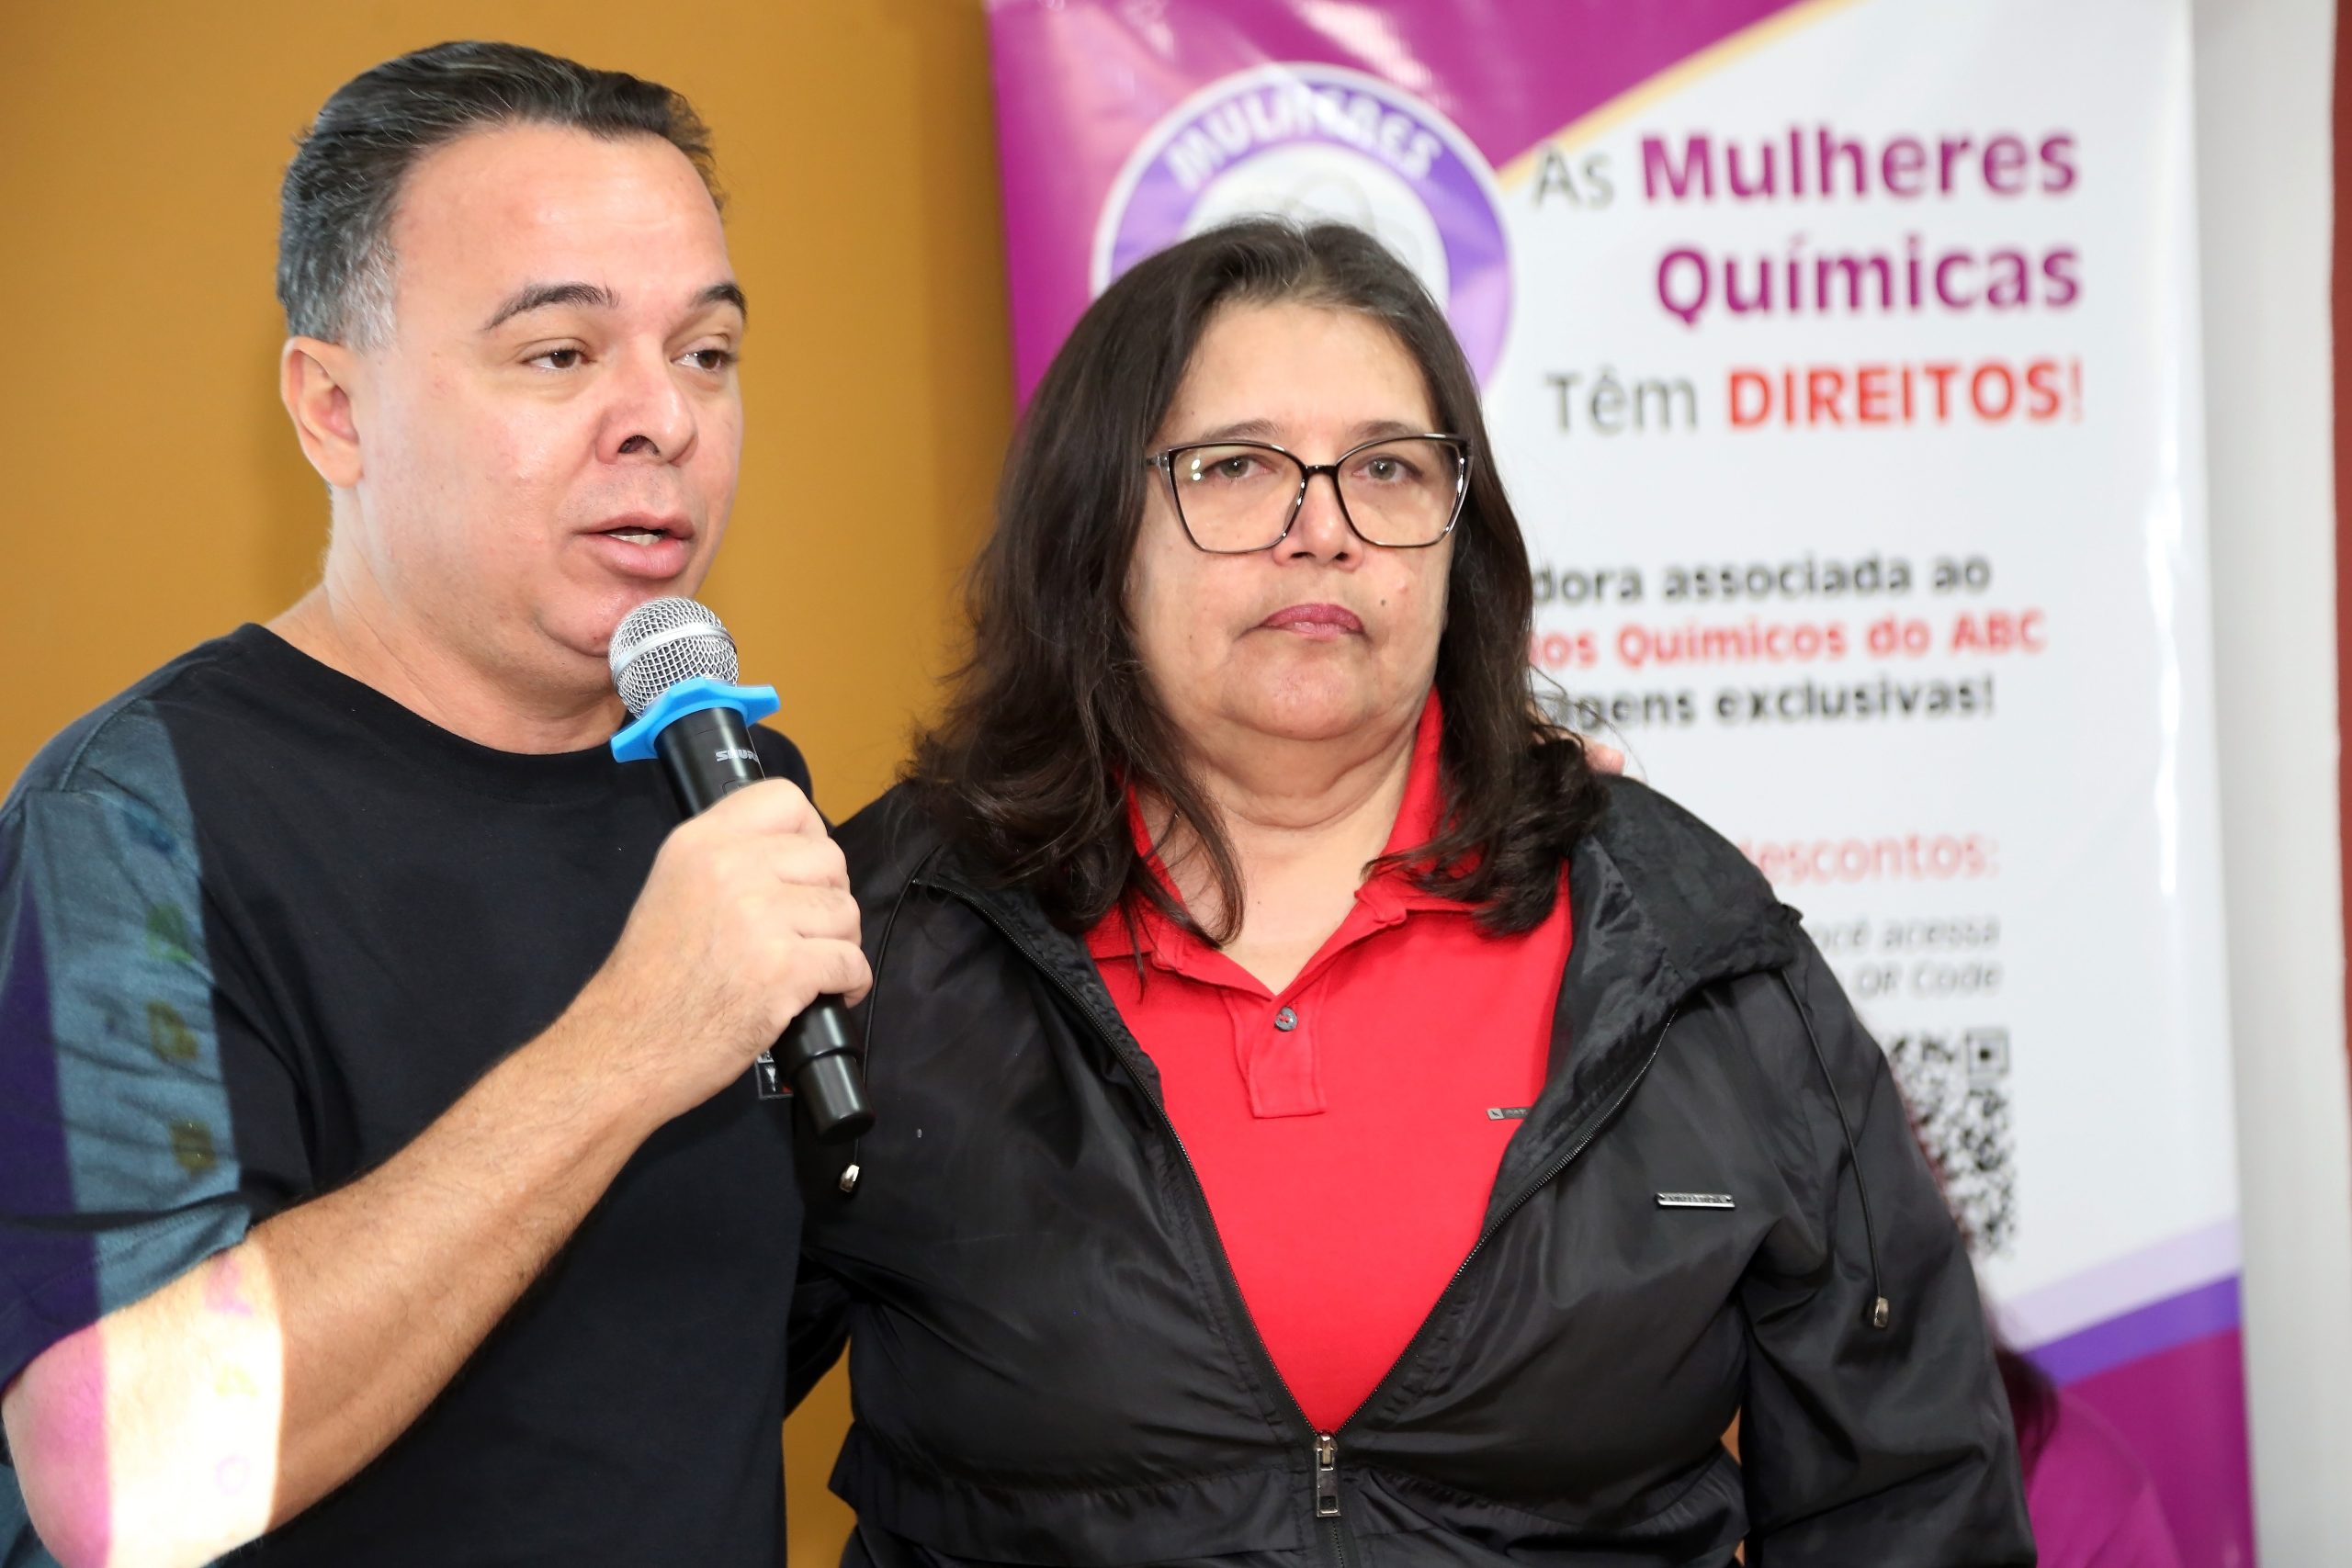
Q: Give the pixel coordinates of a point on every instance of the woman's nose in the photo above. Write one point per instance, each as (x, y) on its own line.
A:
(1320, 530)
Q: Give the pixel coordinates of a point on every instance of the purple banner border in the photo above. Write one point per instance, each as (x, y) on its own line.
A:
(2146, 1331)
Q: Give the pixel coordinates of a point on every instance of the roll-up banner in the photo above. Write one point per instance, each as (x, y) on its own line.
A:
(1841, 360)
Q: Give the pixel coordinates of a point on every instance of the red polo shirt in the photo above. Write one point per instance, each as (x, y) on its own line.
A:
(1346, 1128)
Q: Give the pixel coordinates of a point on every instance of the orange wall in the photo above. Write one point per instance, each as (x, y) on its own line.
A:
(156, 497)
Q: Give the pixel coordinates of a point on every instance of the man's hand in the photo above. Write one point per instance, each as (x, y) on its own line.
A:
(746, 918)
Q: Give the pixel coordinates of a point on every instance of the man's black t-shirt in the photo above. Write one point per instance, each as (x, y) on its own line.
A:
(259, 925)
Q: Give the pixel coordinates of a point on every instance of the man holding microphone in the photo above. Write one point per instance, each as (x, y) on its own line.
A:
(381, 1177)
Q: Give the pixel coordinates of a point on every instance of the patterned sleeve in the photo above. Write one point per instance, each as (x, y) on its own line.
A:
(118, 1167)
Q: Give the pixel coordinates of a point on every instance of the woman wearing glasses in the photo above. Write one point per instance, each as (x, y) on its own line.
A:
(1323, 1122)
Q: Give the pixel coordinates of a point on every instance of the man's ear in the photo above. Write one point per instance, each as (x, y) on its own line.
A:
(314, 381)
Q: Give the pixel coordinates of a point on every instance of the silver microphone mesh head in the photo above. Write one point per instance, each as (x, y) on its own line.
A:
(664, 641)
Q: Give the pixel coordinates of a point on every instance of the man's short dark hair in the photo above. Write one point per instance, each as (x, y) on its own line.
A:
(335, 243)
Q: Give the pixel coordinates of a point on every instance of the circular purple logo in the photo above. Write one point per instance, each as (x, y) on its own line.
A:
(1320, 142)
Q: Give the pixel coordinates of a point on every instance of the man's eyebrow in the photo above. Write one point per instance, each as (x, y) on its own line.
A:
(540, 296)
(725, 294)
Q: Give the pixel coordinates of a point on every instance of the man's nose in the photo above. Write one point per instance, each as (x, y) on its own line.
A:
(652, 417)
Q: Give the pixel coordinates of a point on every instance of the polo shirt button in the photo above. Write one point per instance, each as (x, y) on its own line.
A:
(1285, 1020)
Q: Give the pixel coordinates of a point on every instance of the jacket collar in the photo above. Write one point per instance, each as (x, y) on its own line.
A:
(1662, 905)
(1662, 908)
(1675, 901)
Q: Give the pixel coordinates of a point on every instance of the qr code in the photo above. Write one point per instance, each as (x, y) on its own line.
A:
(1957, 1086)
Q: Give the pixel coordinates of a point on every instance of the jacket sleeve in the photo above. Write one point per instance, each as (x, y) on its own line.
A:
(1887, 1446)
(817, 1331)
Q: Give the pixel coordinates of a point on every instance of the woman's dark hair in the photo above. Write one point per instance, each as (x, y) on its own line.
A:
(1050, 720)
(342, 191)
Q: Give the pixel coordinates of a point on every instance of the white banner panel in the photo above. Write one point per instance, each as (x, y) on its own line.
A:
(1842, 360)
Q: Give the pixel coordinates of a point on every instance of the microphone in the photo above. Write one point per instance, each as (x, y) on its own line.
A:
(675, 666)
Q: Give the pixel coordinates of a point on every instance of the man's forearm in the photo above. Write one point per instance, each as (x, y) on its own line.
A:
(243, 1392)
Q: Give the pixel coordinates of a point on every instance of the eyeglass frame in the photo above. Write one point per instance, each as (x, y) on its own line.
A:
(1165, 461)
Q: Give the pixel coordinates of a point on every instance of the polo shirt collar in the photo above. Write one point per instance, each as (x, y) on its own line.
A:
(1387, 895)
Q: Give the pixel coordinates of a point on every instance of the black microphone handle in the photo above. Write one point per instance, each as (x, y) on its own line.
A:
(709, 755)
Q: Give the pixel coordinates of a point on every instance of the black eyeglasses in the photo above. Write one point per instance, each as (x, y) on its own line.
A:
(1237, 497)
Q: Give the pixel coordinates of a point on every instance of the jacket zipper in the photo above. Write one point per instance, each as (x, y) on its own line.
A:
(1327, 1488)
(1325, 1451)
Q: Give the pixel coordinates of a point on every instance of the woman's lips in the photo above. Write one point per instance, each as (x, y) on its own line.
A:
(1314, 620)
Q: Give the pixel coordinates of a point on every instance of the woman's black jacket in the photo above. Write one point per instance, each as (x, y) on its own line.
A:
(1050, 1363)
